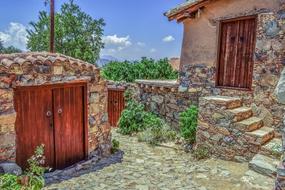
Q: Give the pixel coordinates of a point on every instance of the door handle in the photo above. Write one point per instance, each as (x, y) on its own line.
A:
(49, 114)
(59, 111)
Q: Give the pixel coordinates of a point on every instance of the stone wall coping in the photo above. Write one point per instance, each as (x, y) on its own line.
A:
(159, 83)
(7, 60)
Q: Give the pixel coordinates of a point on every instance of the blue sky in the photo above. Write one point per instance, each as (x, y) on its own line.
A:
(134, 28)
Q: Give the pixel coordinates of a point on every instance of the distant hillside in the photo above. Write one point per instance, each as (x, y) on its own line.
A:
(105, 60)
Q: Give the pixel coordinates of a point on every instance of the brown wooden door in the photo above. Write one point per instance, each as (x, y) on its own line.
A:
(237, 44)
(33, 124)
(116, 104)
(54, 116)
(68, 122)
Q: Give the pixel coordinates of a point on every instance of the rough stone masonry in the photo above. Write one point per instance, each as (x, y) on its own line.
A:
(35, 69)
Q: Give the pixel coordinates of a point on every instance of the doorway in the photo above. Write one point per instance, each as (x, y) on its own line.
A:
(53, 115)
(236, 53)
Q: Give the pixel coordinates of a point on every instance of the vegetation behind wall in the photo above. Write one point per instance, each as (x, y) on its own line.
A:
(146, 68)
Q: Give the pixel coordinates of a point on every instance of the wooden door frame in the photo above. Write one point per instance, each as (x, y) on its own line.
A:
(82, 83)
(219, 41)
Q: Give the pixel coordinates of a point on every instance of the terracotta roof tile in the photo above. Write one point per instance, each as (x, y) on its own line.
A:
(7, 60)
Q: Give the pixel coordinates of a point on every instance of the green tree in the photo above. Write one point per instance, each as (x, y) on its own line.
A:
(77, 34)
(8, 50)
(1, 46)
(144, 69)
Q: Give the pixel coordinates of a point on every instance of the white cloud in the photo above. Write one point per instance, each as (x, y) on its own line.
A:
(153, 50)
(168, 39)
(141, 44)
(119, 42)
(15, 35)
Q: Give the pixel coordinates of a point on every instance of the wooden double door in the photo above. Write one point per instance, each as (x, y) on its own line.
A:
(54, 116)
(236, 53)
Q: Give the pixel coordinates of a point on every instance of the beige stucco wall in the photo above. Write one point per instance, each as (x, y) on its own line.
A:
(200, 42)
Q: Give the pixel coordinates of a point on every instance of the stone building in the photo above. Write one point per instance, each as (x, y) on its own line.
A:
(54, 100)
(233, 53)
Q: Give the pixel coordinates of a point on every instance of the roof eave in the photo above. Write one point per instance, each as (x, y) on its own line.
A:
(177, 15)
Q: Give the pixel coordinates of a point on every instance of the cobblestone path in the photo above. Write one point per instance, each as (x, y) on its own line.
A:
(158, 168)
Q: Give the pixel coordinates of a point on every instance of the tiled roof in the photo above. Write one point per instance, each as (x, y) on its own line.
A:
(6, 60)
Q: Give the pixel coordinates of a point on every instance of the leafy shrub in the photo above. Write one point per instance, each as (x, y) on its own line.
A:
(201, 152)
(188, 124)
(152, 121)
(9, 182)
(135, 119)
(157, 134)
(115, 146)
(143, 69)
(32, 179)
(36, 170)
(132, 118)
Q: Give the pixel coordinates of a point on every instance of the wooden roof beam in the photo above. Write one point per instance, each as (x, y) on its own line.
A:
(191, 9)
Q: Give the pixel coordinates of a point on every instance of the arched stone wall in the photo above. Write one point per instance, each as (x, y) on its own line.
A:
(29, 69)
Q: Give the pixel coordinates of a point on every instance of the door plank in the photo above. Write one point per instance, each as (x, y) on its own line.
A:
(32, 125)
(69, 130)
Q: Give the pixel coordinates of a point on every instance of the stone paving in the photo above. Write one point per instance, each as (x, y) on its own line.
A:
(159, 168)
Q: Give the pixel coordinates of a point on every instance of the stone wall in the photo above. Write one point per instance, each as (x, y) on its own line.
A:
(269, 61)
(165, 99)
(32, 69)
(219, 131)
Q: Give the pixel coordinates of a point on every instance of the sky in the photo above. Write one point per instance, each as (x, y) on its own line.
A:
(134, 28)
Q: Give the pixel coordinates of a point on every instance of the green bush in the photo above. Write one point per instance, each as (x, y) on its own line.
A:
(115, 146)
(135, 119)
(32, 179)
(143, 69)
(10, 182)
(132, 118)
(188, 124)
(157, 134)
(36, 170)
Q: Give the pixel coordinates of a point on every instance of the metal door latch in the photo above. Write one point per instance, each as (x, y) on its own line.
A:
(59, 111)
(49, 114)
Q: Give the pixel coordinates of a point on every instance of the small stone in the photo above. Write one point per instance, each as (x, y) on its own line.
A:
(264, 165)
(182, 89)
(10, 168)
(142, 187)
(139, 161)
(202, 176)
(280, 89)
(217, 137)
(240, 159)
(158, 99)
(272, 28)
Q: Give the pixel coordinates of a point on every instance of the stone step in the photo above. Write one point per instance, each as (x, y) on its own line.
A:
(241, 113)
(225, 101)
(262, 135)
(250, 124)
(273, 148)
(264, 165)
